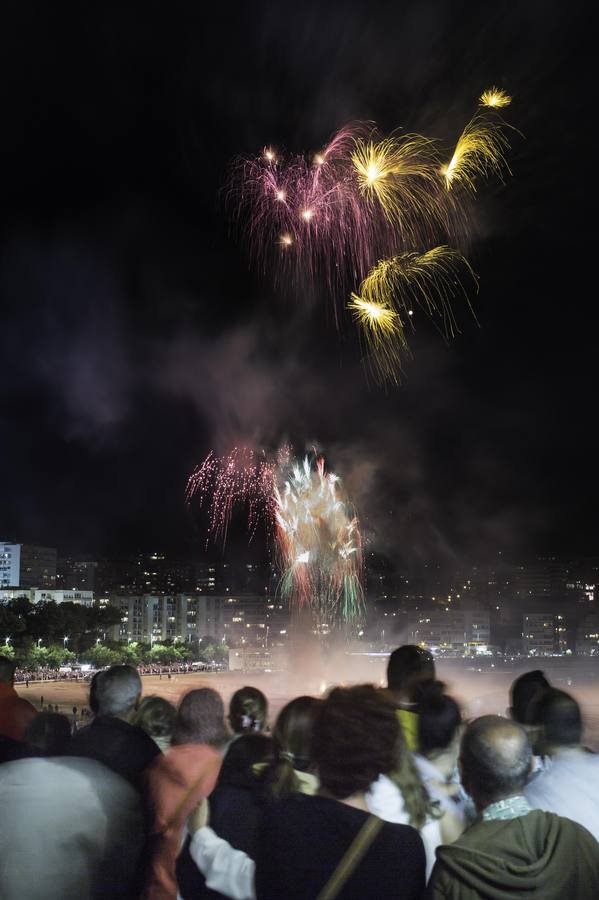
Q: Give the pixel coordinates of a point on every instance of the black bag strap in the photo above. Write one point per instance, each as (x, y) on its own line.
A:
(351, 858)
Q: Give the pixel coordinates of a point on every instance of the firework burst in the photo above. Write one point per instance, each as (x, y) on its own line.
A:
(479, 153)
(394, 287)
(220, 483)
(363, 210)
(494, 98)
(316, 534)
(319, 544)
(306, 217)
(401, 176)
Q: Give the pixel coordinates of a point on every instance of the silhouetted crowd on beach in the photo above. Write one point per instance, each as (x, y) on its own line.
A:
(367, 792)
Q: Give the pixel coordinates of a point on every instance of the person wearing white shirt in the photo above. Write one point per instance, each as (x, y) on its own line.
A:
(569, 785)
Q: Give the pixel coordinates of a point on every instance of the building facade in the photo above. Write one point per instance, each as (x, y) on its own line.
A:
(41, 595)
(27, 566)
(540, 635)
(451, 631)
(154, 618)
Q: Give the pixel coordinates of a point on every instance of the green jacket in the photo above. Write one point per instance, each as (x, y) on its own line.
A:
(539, 856)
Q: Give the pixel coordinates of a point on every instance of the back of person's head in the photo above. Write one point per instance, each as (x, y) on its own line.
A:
(495, 759)
(93, 689)
(523, 690)
(292, 739)
(49, 732)
(246, 759)
(156, 716)
(117, 691)
(248, 710)
(201, 719)
(439, 718)
(356, 737)
(407, 667)
(7, 670)
(558, 716)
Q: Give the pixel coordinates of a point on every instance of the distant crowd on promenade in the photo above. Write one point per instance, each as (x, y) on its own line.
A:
(365, 792)
(45, 673)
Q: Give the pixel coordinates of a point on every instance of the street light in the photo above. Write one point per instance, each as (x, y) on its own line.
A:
(39, 642)
(65, 641)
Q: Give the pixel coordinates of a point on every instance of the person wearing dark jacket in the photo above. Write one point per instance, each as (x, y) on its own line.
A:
(511, 850)
(236, 808)
(111, 738)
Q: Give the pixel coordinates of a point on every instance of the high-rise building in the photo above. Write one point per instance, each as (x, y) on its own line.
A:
(74, 573)
(27, 566)
(587, 635)
(149, 618)
(539, 636)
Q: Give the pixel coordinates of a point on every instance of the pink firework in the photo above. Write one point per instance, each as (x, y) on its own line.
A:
(310, 220)
(306, 216)
(221, 482)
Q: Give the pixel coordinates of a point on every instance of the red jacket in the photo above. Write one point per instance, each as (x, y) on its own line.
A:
(15, 713)
(177, 781)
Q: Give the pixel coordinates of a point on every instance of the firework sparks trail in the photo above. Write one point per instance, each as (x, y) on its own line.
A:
(221, 482)
(319, 544)
(317, 538)
(391, 290)
(479, 153)
(400, 174)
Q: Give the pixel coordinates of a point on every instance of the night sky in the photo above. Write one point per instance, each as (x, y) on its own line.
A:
(134, 336)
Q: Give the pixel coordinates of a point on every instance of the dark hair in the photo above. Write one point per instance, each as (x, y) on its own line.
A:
(244, 754)
(356, 738)
(495, 756)
(523, 690)
(292, 738)
(156, 716)
(49, 732)
(248, 710)
(407, 666)
(439, 717)
(93, 696)
(7, 669)
(558, 714)
(201, 719)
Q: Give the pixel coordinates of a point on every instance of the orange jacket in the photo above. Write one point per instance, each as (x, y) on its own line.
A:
(15, 713)
(177, 781)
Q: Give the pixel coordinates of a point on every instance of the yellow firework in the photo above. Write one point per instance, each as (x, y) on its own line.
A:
(494, 98)
(429, 281)
(384, 333)
(479, 153)
(400, 174)
(375, 164)
(377, 318)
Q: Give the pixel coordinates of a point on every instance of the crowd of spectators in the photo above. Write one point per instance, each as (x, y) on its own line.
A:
(367, 792)
(69, 673)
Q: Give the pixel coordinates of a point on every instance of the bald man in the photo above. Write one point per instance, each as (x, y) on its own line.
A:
(511, 850)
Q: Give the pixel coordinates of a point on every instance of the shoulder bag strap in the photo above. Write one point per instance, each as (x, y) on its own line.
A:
(172, 820)
(351, 858)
